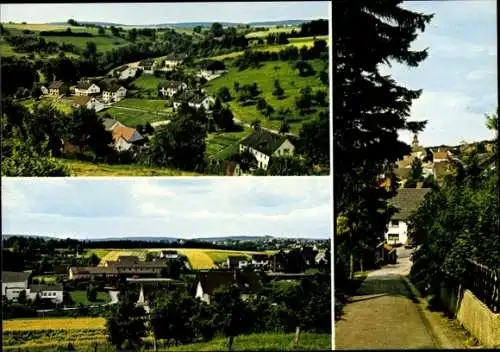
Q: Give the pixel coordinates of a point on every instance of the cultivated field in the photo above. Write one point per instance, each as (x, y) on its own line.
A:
(263, 34)
(87, 168)
(52, 324)
(264, 76)
(198, 258)
(221, 145)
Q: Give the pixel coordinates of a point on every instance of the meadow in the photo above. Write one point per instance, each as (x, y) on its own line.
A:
(52, 324)
(263, 34)
(264, 76)
(87, 168)
(198, 258)
(81, 297)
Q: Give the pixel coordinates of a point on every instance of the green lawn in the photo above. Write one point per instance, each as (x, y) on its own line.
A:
(61, 106)
(48, 279)
(264, 76)
(152, 110)
(221, 145)
(103, 43)
(148, 83)
(85, 168)
(263, 342)
(81, 297)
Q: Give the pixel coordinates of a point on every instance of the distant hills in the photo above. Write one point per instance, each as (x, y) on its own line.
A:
(165, 239)
(192, 24)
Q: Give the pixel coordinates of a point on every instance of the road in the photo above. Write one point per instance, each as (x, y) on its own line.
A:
(141, 110)
(242, 123)
(383, 314)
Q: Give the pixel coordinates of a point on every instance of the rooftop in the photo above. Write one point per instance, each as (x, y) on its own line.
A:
(14, 276)
(407, 200)
(264, 141)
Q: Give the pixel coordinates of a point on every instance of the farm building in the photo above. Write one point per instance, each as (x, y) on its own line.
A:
(86, 88)
(236, 261)
(125, 137)
(13, 283)
(88, 102)
(264, 144)
(147, 66)
(194, 99)
(49, 292)
(172, 60)
(125, 72)
(55, 88)
(113, 92)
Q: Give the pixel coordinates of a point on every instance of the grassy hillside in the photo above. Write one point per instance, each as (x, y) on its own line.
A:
(263, 34)
(221, 145)
(86, 168)
(264, 76)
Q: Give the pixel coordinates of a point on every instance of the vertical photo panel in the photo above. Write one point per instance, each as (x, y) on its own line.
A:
(167, 264)
(416, 205)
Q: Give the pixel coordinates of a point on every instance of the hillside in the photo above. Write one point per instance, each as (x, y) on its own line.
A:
(264, 76)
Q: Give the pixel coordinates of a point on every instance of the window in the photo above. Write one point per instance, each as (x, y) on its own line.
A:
(393, 237)
(394, 223)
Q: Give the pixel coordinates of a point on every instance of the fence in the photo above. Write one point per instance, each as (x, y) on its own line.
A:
(484, 283)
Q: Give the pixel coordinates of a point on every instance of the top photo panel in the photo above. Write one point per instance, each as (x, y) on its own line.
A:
(166, 89)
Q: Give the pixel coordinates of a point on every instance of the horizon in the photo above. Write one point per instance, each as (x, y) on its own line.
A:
(180, 208)
(145, 14)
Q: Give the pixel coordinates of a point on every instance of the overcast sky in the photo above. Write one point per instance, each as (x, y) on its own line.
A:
(459, 77)
(184, 208)
(155, 13)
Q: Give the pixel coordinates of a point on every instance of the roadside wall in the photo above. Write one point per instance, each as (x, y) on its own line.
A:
(479, 320)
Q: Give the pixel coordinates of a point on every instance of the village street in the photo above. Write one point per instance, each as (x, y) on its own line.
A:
(384, 314)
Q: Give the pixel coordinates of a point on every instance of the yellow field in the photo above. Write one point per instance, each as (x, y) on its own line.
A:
(53, 324)
(199, 258)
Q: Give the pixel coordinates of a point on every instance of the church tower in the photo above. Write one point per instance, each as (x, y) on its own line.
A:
(414, 144)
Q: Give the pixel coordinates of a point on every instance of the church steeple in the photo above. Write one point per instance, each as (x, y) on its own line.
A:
(414, 144)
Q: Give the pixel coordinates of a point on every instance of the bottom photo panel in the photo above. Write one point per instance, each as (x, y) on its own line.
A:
(167, 264)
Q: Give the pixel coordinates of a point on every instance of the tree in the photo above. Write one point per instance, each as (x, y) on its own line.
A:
(278, 91)
(285, 127)
(22, 299)
(415, 174)
(92, 293)
(217, 29)
(72, 22)
(236, 86)
(304, 101)
(132, 34)
(224, 118)
(94, 260)
(320, 98)
(230, 311)
(125, 325)
(246, 160)
(101, 31)
(268, 111)
(261, 104)
(314, 137)
(180, 144)
(287, 165)
(197, 29)
(115, 31)
(223, 94)
(305, 69)
(368, 111)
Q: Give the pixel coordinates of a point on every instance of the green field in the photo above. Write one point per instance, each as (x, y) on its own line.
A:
(263, 34)
(148, 83)
(264, 76)
(221, 145)
(133, 111)
(81, 297)
(48, 279)
(87, 168)
(63, 106)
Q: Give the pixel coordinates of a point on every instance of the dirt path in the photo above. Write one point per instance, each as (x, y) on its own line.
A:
(383, 314)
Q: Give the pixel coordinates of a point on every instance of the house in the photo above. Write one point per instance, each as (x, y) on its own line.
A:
(264, 144)
(210, 69)
(13, 283)
(170, 88)
(236, 261)
(124, 266)
(172, 61)
(407, 201)
(125, 137)
(169, 254)
(88, 102)
(194, 99)
(147, 66)
(55, 88)
(87, 88)
(54, 292)
(209, 281)
(44, 90)
(438, 157)
(125, 72)
(440, 170)
(113, 92)
(260, 260)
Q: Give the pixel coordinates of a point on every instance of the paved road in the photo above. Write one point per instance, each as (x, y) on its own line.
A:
(383, 314)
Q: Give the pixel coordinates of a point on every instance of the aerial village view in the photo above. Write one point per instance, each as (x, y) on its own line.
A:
(144, 94)
(158, 265)
(416, 203)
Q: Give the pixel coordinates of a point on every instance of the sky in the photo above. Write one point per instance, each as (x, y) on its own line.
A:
(155, 13)
(183, 208)
(459, 77)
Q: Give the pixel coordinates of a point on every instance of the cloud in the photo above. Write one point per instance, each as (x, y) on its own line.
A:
(171, 207)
